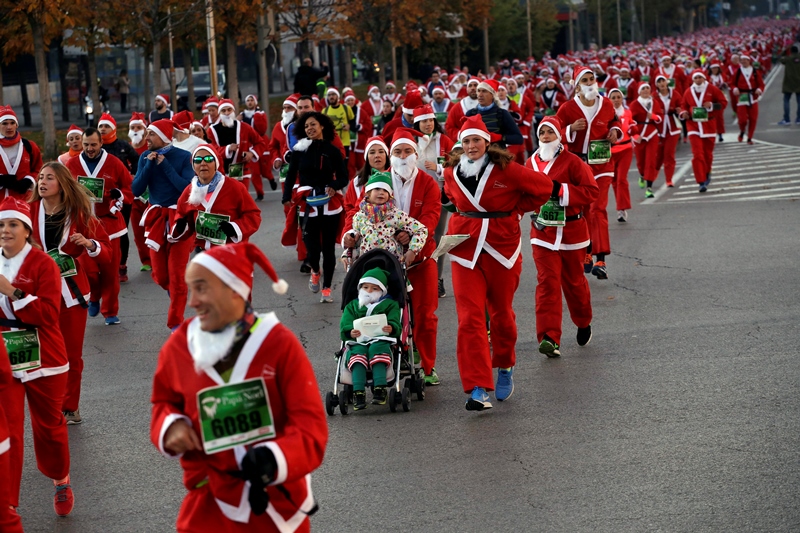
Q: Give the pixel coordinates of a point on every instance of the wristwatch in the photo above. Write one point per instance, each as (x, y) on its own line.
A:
(18, 294)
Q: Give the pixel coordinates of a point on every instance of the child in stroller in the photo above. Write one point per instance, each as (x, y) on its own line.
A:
(370, 350)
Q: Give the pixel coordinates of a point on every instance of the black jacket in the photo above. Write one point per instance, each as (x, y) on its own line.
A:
(305, 80)
(125, 153)
(320, 165)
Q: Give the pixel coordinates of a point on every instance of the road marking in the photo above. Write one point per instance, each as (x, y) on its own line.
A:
(728, 194)
(737, 186)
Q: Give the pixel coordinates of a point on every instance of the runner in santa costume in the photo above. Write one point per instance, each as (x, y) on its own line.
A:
(211, 106)
(214, 208)
(165, 172)
(648, 113)
(20, 159)
(253, 116)
(136, 133)
(9, 518)
(559, 236)
(676, 77)
(373, 105)
(378, 159)
(453, 124)
(404, 119)
(97, 164)
(490, 194)
(701, 102)
(720, 81)
(669, 131)
(74, 144)
(592, 127)
(65, 226)
(362, 132)
(30, 289)
(747, 86)
(254, 474)
(622, 155)
(241, 144)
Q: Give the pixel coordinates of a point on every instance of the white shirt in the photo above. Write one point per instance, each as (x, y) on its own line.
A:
(403, 190)
(11, 153)
(9, 267)
(589, 111)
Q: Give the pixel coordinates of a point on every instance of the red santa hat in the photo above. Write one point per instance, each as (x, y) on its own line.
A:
(474, 125)
(661, 77)
(212, 101)
(579, 71)
(234, 265)
(715, 64)
(405, 136)
(473, 79)
(665, 55)
(555, 123)
(390, 83)
(211, 150)
(291, 100)
(333, 90)
(699, 72)
(196, 123)
(489, 85)
(423, 112)
(641, 87)
(438, 89)
(74, 129)
(137, 118)
(412, 101)
(226, 102)
(108, 120)
(164, 98)
(376, 141)
(349, 94)
(183, 120)
(13, 208)
(6, 113)
(163, 128)
(373, 89)
(254, 97)
(746, 55)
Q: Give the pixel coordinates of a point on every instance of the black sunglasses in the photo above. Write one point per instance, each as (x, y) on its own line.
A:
(207, 158)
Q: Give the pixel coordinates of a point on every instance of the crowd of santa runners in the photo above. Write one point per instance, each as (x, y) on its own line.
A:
(458, 155)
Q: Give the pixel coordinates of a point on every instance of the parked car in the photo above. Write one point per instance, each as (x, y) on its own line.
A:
(202, 88)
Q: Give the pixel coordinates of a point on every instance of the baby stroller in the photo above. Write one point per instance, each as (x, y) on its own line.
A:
(403, 376)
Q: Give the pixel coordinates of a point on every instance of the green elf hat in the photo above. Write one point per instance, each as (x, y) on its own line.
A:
(376, 276)
(379, 180)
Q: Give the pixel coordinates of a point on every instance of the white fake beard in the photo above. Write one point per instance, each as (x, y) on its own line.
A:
(365, 298)
(470, 168)
(404, 167)
(209, 347)
(286, 117)
(198, 192)
(227, 120)
(375, 96)
(590, 92)
(547, 151)
(701, 87)
(136, 136)
(248, 113)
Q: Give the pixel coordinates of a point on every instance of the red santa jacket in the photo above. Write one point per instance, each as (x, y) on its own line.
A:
(646, 72)
(258, 121)
(26, 166)
(513, 190)
(5, 380)
(277, 145)
(248, 141)
(681, 82)
(271, 353)
(372, 108)
(92, 230)
(116, 176)
(647, 127)
(751, 85)
(597, 128)
(629, 88)
(672, 108)
(606, 85)
(39, 278)
(706, 98)
(364, 125)
(578, 190)
(230, 198)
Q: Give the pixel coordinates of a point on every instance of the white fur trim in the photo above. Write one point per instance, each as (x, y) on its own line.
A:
(374, 281)
(424, 117)
(223, 273)
(379, 143)
(302, 145)
(473, 131)
(158, 97)
(280, 286)
(16, 214)
(160, 134)
(486, 87)
(106, 122)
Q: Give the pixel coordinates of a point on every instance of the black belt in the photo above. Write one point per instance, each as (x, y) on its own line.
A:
(485, 214)
(623, 142)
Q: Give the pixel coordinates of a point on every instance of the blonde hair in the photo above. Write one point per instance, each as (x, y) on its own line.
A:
(74, 196)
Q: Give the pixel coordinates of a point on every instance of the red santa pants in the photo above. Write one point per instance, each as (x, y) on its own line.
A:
(72, 322)
(50, 438)
(200, 514)
(255, 179)
(702, 156)
(493, 285)
(557, 271)
(424, 279)
(598, 218)
(622, 164)
(104, 280)
(666, 155)
(748, 116)
(719, 121)
(169, 271)
(646, 155)
(138, 231)
(9, 520)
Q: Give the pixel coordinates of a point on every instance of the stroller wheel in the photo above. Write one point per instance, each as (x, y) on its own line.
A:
(420, 389)
(343, 402)
(406, 399)
(392, 399)
(331, 401)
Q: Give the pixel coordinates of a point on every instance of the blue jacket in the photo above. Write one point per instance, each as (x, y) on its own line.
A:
(165, 181)
(499, 121)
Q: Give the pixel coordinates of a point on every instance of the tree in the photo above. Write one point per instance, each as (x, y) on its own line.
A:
(310, 20)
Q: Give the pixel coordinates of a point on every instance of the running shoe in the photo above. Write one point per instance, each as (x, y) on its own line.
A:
(478, 400)
(259, 197)
(750, 142)
(359, 400)
(73, 417)
(379, 396)
(741, 137)
(504, 387)
(442, 292)
(305, 268)
(648, 193)
(123, 274)
(703, 187)
(432, 379)
(642, 183)
(94, 309)
(273, 184)
(549, 347)
(670, 184)
(587, 264)
(327, 297)
(145, 268)
(584, 335)
(599, 270)
(64, 500)
(785, 123)
(313, 283)
(112, 321)
(622, 216)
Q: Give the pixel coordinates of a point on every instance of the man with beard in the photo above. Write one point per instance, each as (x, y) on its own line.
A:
(231, 364)
(240, 143)
(440, 102)
(20, 159)
(278, 145)
(343, 117)
(453, 123)
(496, 119)
(136, 133)
(253, 116)
(593, 126)
(373, 105)
(747, 85)
(418, 195)
(162, 110)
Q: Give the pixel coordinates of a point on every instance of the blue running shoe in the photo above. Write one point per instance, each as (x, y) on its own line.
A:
(112, 321)
(478, 400)
(785, 123)
(504, 387)
(94, 309)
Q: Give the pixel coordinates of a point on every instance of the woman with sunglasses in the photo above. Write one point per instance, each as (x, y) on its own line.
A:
(218, 209)
(317, 174)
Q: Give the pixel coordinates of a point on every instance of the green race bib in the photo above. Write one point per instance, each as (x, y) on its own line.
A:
(95, 186)
(601, 90)
(234, 415)
(549, 112)
(744, 98)
(206, 225)
(283, 172)
(441, 159)
(23, 349)
(552, 214)
(599, 152)
(645, 78)
(376, 119)
(624, 91)
(671, 82)
(145, 197)
(699, 114)
(66, 264)
(441, 117)
(236, 171)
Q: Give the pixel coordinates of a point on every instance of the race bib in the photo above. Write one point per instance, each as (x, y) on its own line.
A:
(441, 117)
(699, 114)
(95, 186)
(207, 227)
(599, 152)
(66, 264)
(549, 112)
(552, 214)
(376, 119)
(23, 349)
(145, 197)
(234, 415)
(671, 83)
(745, 98)
(283, 172)
(236, 171)
(602, 90)
(645, 78)
(624, 91)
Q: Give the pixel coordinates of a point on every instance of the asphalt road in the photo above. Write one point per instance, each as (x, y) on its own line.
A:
(683, 414)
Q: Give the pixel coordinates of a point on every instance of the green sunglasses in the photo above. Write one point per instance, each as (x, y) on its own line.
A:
(207, 158)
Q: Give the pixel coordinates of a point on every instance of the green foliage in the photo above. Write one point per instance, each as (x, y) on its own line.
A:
(508, 32)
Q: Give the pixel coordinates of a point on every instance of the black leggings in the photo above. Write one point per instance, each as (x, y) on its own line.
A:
(320, 236)
(124, 241)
